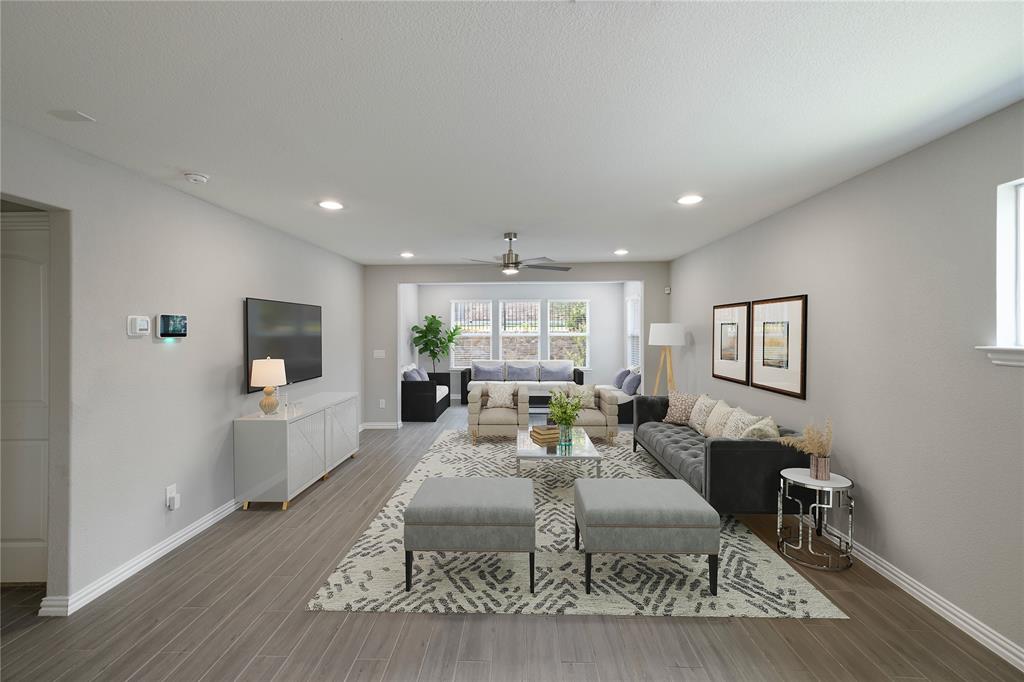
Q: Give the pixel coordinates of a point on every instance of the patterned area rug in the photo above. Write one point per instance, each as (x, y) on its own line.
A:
(753, 580)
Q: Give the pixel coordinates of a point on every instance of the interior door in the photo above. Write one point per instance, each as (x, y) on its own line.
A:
(25, 399)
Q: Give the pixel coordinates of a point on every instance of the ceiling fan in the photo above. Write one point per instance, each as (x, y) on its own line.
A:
(510, 263)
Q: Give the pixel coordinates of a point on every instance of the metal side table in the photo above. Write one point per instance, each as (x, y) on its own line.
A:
(829, 496)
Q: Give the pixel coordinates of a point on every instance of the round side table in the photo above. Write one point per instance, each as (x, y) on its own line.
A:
(829, 496)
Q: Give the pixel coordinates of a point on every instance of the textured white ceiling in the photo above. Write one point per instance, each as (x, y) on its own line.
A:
(440, 126)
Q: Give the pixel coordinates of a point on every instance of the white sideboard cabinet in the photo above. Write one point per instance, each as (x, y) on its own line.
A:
(279, 456)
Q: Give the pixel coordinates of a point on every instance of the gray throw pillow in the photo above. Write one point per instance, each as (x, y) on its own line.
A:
(485, 373)
(410, 375)
(422, 374)
(631, 384)
(620, 377)
(555, 371)
(522, 372)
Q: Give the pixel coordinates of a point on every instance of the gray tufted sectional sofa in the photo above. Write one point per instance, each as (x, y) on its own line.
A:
(735, 476)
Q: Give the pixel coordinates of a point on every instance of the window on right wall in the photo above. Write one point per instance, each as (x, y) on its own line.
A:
(569, 331)
(1008, 349)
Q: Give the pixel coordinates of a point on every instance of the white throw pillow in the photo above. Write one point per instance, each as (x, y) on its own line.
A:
(585, 394)
(715, 425)
(500, 395)
(765, 429)
(740, 421)
(701, 409)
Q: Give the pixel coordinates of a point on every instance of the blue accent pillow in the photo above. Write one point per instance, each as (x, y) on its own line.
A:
(631, 384)
(550, 371)
(620, 377)
(410, 375)
(422, 374)
(522, 372)
(482, 373)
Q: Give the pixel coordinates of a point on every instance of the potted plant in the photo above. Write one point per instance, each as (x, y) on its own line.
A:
(818, 444)
(563, 410)
(433, 340)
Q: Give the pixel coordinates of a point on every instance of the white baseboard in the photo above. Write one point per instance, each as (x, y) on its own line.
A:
(997, 643)
(379, 425)
(65, 606)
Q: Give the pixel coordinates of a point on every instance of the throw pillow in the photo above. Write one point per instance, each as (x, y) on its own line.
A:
(500, 395)
(632, 384)
(557, 370)
(765, 429)
(701, 409)
(740, 421)
(585, 394)
(620, 377)
(680, 405)
(488, 372)
(410, 375)
(715, 425)
(522, 371)
(422, 374)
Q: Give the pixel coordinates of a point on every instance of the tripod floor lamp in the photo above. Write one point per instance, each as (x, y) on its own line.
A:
(666, 335)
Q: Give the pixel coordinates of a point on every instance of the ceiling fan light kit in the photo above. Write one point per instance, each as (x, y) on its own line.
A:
(510, 263)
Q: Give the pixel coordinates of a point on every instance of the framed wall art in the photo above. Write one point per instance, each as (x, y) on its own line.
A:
(729, 342)
(778, 345)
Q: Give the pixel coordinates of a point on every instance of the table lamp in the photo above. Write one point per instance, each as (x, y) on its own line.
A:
(666, 335)
(269, 374)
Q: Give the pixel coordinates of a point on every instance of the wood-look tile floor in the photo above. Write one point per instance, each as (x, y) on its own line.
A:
(229, 605)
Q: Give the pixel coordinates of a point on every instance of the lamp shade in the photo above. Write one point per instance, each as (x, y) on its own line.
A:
(666, 334)
(269, 372)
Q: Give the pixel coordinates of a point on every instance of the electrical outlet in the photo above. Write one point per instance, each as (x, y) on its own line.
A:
(379, 354)
(171, 497)
(382, 403)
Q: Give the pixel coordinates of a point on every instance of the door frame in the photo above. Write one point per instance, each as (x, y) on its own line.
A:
(59, 468)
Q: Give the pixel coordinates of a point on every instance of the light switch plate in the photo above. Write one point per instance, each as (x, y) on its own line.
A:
(138, 325)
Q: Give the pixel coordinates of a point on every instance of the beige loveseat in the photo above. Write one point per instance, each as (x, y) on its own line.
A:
(498, 421)
(602, 420)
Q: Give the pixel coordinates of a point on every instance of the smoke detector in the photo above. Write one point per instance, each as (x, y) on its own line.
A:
(197, 178)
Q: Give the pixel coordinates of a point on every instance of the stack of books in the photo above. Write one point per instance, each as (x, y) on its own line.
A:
(544, 435)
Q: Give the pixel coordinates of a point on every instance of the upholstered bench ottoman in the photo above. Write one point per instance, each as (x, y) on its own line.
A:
(645, 516)
(471, 515)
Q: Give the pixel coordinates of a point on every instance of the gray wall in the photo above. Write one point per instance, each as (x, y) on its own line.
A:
(145, 414)
(607, 333)
(899, 266)
(380, 282)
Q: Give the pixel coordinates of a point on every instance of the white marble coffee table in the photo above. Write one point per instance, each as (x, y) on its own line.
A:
(582, 449)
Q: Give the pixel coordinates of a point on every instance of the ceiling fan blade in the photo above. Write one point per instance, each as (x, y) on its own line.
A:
(485, 262)
(560, 268)
(541, 259)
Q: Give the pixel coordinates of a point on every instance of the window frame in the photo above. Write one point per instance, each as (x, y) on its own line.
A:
(490, 333)
(1018, 284)
(638, 302)
(549, 334)
(502, 334)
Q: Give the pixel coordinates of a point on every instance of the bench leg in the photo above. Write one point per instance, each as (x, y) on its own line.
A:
(577, 524)
(408, 571)
(713, 573)
(586, 573)
(531, 572)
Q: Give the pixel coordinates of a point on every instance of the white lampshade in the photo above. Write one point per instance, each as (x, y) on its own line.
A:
(667, 334)
(269, 372)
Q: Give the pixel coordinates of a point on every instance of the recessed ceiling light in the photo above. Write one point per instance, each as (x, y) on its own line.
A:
(330, 205)
(689, 199)
(196, 178)
(620, 252)
(511, 271)
(407, 254)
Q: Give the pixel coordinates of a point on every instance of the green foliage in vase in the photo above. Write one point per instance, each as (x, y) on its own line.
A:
(433, 340)
(562, 409)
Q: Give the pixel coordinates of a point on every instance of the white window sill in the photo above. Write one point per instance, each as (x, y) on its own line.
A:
(1005, 356)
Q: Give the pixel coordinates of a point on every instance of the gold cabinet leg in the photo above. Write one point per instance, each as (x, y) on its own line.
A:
(284, 506)
(325, 476)
(245, 505)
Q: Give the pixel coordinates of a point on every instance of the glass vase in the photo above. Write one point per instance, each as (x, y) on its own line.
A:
(564, 436)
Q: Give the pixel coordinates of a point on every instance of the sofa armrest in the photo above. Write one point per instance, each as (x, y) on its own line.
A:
(577, 375)
(610, 408)
(464, 377)
(441, 378)
(419, 389)
(742, 476)
(649, 408)
(474, 396)
(523, 406)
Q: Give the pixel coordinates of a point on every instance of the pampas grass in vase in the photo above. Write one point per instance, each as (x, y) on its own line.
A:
(818, 444)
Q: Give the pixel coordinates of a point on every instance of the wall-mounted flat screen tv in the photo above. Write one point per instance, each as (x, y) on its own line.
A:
(290, 331)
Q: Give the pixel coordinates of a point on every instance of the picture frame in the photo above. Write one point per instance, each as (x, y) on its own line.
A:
(778, 345)
(730, 342)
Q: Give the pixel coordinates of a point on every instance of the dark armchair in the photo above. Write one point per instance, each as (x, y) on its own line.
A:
(422, 402)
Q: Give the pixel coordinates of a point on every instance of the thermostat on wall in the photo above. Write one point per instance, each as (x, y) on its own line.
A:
(172, 326)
